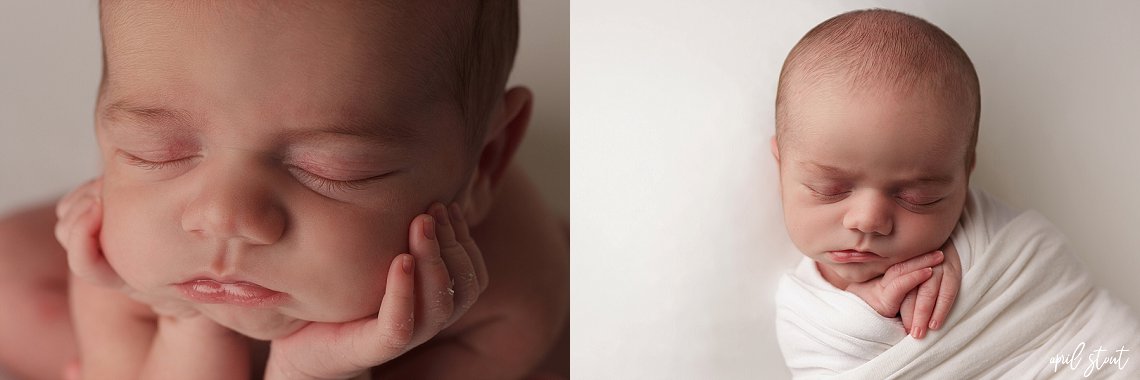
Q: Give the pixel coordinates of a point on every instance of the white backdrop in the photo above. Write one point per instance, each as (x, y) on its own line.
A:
(678, 236)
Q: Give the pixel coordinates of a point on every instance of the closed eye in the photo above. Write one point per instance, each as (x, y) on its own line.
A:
(921, 203)
(829, 195)
(153, 165)
(320, 183)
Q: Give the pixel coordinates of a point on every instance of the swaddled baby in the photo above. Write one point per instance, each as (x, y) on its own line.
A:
(876, 123)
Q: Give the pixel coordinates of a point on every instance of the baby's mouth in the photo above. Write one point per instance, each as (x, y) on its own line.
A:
(241, 293)
(853, 256)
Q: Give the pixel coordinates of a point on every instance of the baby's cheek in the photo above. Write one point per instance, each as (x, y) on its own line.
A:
(131, 243)
(343, 277)
(924, 234)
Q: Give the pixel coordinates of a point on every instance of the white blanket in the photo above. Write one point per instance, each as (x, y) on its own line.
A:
(1026, 309)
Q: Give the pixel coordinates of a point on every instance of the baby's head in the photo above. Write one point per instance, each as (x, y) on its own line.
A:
(876, 122)
(291, 143)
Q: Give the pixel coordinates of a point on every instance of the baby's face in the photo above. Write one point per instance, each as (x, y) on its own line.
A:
(260, 144)
(871, 179)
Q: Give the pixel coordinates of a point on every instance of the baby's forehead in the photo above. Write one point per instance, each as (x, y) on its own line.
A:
(305, 69)
(170, 121)
(348, 38)
(835, 107)
(873, 58)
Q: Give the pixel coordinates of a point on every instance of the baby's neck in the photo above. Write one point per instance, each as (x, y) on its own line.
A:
(831, 277)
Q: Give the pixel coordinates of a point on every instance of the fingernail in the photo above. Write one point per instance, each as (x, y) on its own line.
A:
(429, 227)
(934, 325)
(408, 264)
(938, 254)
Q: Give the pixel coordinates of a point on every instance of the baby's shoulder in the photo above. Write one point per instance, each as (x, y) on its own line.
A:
(525, 245)
(520, 227)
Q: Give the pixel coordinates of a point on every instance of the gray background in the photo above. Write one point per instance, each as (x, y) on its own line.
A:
(49, 70)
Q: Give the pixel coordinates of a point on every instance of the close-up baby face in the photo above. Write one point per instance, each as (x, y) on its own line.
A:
(262, 162)
(871, 178)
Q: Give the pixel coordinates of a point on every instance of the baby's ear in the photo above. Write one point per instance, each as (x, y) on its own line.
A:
(775, 150)
(508, 123)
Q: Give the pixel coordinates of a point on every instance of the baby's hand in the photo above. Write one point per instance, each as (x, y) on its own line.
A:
(928, 306)
(80, 214)
(449, 275)
(885, 293)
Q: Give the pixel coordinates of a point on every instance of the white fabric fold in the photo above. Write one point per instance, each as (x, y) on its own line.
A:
(1025, 303)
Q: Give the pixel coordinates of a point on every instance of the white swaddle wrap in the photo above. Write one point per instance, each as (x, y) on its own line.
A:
(1026, 304)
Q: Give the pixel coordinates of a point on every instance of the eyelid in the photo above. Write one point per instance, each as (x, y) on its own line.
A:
(832, 190)
(326, 184)
(826, 197)
(149, 164)
(927, 204)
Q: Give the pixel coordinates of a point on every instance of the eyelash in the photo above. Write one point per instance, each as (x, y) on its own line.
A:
(834, 197)
(153, 165)
(923, 205)
(325, 184)
(827, 197)
(310, 179)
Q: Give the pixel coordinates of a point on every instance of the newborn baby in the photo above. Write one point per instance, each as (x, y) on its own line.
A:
(876, 123)
(286, 192)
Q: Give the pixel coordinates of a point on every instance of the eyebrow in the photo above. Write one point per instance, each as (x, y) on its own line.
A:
(150, 116)
(362, 127)
(840, 173)
(353, 126)
(828, 170)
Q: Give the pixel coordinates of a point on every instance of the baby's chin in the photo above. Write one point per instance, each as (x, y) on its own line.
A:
(854, 273)
(262, 325)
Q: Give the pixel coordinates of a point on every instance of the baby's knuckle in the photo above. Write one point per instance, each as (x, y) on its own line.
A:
(449, 245)
(947, 296)
(443, 308)
(895, 270)
(398, 337)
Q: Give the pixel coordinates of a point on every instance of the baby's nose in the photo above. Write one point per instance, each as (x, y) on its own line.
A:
(234, 204)
(869, 214)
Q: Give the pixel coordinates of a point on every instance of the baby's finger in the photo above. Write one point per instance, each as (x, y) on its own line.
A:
(395, 323)
(434, 292)
(896, 289)
(67, 220)
(922, 261)
(67, 202)
(472, 279)
(907, 309)
(924, 304)
(464, 281)
(463, 234)
(91, 189)
(84, 256)
(947, 294)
